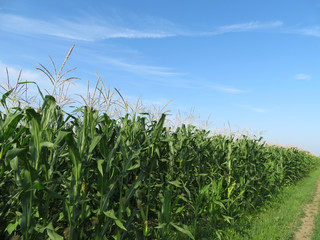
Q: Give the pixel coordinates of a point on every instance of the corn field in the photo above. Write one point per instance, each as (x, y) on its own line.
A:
(84, 175)
(107, 171)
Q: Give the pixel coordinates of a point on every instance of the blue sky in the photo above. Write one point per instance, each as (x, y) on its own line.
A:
(253, 64)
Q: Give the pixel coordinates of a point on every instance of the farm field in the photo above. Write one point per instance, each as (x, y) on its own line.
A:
(165, 120)
(84, 175)
(182, 120)
(99, 173)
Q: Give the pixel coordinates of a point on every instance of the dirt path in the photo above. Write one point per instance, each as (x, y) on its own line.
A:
(311, 209)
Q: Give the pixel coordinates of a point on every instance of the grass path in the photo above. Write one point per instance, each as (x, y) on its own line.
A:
(308, 222)
(282, 218)
(316, 230)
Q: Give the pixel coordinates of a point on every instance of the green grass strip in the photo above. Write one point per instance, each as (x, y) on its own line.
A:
(281, 218)
(316, 231)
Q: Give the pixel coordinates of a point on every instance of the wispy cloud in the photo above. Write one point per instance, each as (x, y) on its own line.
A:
(142, 69)
(226, 89)
(246, 27)
(166, 76)
(309, 31)
(302, 76)
(87, 29)
(149, 102)
(93, 29)
(238, 27)
(254, 109)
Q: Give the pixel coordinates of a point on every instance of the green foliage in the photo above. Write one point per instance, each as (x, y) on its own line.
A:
(93, 177)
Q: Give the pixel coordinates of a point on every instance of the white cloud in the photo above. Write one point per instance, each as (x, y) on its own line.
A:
(149, 102)
(92, 29)
(85, 29)
(246, 27)
(254, 109)
(226, 89)
(238, 27)
(165, 76)
(157, 74)
(309, 31)
(302, 76)
(142, 69)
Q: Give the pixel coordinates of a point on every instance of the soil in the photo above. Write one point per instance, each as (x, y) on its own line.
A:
(311, 209)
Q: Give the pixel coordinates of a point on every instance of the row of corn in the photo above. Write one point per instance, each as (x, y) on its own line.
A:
(86, 176)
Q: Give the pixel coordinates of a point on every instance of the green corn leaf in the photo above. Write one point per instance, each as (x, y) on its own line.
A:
(27, 181)
(12, 227)
(4, 97)
(168, 140)
(227, 218)
(11, 154)
(48, 108)
(47, 144)
(132, 156)
(60, 137)
(38, 185)
(220, 204)
(134, 167)
(14, 163)
(54, 194)
(135, 185)
(120, 225)
(74, 155)
(10, 125)
(39, 228)
(2, 168)
(158, 129)
(52, 234)
(110, 214)
(94, 142)
(99, 163)
(176, 183)
(157, 151)
(26, 213)
(106, 198)
(184, 230)
(180, 209)
(162, 225)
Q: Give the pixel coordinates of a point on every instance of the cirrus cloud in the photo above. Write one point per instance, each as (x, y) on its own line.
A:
(302, 76)
(94, 29)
